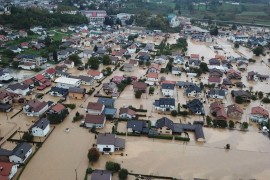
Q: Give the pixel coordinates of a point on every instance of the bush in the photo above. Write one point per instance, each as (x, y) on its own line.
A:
(137, 110)
(27, 136)
(179, 138)
(77, 118)
(57, 118)
(70, 106)
(254, 97)
(260, 94)
(266, 100)
(112, 166)
(209, 121)
(93, 155)
(220, 123)
(151, 90)
(170, 137)
(138, 94)
(174, 113)
(123, 174)
(244, 125)
(231, 124)
(239, 100)
(183, 113)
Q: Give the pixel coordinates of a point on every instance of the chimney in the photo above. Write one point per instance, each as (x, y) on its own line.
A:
(21, 150)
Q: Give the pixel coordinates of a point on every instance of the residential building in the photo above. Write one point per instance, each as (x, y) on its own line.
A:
(255, 76)
(8, 170)
(152, 78)
(154, 68)
(20, 153)
(18, 88)
(214, 80)
(167, 89)
(57, 109)
(176, 71)
(66, 83)
(109, 143)
(101, 175)
(195, 106)
(165, 104)
(40, 128)
(179, 60)
(259, 114)
(234, 111)
(86, 80)
(165, 126)
(95, 108)
(57, 91)
(216, 94)
(69, 64)
(137, 126)
(35, 107)
(245, 95)
(140, 86)
(95, 16)
(128, 67)
(193, 91)
(76, 92)
(95, 74)
(108, 102)
(127, 113)
(217, 109)
(110, 87)
(94, 120)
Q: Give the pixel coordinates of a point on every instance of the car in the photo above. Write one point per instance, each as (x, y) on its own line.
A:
(41, 87)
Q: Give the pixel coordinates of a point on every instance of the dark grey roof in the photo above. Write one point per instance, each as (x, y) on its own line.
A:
(110, 139)
(5, 107)
(76, 90)
(164, 122)
(4, 152)
(108, 102)
(165, 101)
(86, 78)
(59, 90)
(137, 125)
(195, 106)
(192, 88)
(109, 111)
(196, 62)
(41, 123)
(183, 83)
(21, 150)
(16, 86)
(219, 92)
(241, 93)
(167, 86)
(101, 175)
(214, 61)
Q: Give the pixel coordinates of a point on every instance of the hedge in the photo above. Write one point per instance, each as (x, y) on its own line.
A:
(133, 134)
(120, 133)
(71, 106)
(137, 110)
(170, 137)
(179, 138)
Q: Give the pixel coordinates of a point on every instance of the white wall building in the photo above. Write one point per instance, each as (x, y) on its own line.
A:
(66, 83)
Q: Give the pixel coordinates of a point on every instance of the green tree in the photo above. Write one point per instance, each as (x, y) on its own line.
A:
(214, 31)
(123, 174)
(234, 27)
(239, 100)
(244, 125)
(15, 64)
(260, 94)
(106, 60)
(131, 38)
(258, 50)
(93, 63)
(108, 21)
(27, 136)
(93, 155)
(231, 124)
(236, 45)
(118, 21)
(209, 121)
(55, 56)
(76, 59)
(174, 113)
(204, 67)
(112, 166)
(138, 94)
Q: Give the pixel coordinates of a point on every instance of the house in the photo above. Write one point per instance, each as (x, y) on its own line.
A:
(227, 82)
(245, 95)
(259, 114)
(114, 60)
(143, 56)
(167, 89)
(110, 87)
(86, 80)
(195, 106)
(182, 84)
(95, 108)
(176, 71)
(179, 60)
(254, 76)
(76, 92)
(27, 66)
(56, 91)
(194, 63)
(66, 83)
(217, 109)
(108, 102)
(109, 143)
(18, 88)
(128, 67)
(61, 74)
(5, 107)
(242, 65)
(57, 109)
(232, 74)
(152, 78)
(137, 126)
(127, 113)
(61, 67)
(193, 91)
(215, 72)
(165, 104)
(23, 33)
(234, 111)
(21, 153)
(160, 59)
(15, 49)
(216, 94)
(62, 54)
(35, 107)
(131, 49)
(154, 68)
(5, 76)
(101, 175)
(214, 80)
(24, 45)
(95, 120)
(139, 86)
(40, 128)
(51, 72)
(165, 126)
(214, 61)
(69, 64)
(5, 98)
(8, 170)
(95, 74)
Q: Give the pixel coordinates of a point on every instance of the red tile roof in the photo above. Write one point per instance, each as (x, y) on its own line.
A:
(58, 107)
(214, 79)
(94, 119)
(39, 77)
(6, 168)
(51, 71)
(93, 73)
(152, 75)
(260, 110)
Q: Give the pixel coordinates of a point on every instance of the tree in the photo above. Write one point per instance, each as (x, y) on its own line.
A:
(204, 67)
(141, 63)
(112, 166)
(151, 90)
(15, 64)
(231, 124)
(236, 45)
(239, 100)
(209, 121)
(55, 56)
(174, 113)
(76, 59)
(244, 125)
(234, 27)
(129, 80)
(148, 63)
(258, 50)
(95, 48)
(214, 31)
(118, 21)
(108, 21)
(260, 94)
(93, 63)
(27, 136)
(93, 155)
(138, 94)
(123, 174)
(131, 38)
(106, 60)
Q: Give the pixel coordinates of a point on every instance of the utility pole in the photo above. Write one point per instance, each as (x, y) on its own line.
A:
(76, 174)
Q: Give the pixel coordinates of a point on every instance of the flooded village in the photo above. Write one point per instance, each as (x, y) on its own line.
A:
(161, 105)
